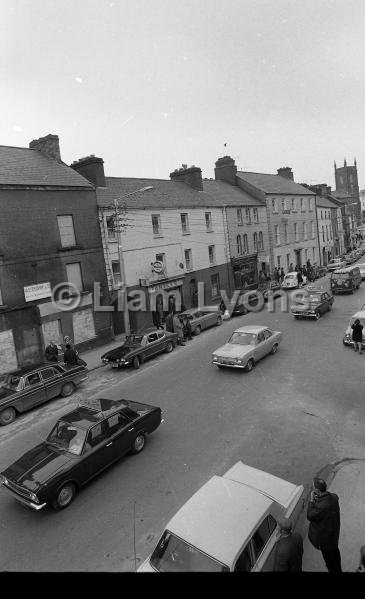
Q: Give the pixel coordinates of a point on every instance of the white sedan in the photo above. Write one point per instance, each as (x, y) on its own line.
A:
(246, 346)
(228, 525)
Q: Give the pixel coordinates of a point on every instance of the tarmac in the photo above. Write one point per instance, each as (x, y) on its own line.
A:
(347, 480)
(92, 357)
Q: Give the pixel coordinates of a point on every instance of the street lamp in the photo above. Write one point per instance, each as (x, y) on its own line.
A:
(116, 209)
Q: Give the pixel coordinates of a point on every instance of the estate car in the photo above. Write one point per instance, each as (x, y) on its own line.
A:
(246, 346)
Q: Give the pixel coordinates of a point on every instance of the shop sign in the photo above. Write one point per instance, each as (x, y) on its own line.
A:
(34, 292)
(166, 285)
(158, 267)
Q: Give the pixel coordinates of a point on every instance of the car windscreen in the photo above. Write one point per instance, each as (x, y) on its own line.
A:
(134, 339)
(313, 299)
(290, 276)
(11, 382)
(243, 339)
(340, 276)
(175, 555)
(67, 437)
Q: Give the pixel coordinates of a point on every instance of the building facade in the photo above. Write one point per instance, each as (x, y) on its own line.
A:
(49, 237)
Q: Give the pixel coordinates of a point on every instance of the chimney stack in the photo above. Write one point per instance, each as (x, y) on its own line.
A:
(286, 172)
(92, 168)
(226, 170)
(191, 176)
(48, 146)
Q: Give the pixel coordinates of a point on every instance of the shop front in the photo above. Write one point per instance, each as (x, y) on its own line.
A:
(245, 273)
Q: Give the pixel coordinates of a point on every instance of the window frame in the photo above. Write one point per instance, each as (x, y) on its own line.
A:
(157, 233)
(239, 217)
(215, 275)
(185, 215)
(211, 255)
(189, 261)
(69, 216)
(208, 222)
(81, 288)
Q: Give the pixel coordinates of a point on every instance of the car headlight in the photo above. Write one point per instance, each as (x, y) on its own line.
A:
(3, 480)
(238, 361)
(34, 497)
(215, 358)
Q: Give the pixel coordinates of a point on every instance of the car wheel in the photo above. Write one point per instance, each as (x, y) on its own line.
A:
(198, 330)
(219, 321)
(64, 497)
(7, 416)
(139, 443)
(274, 348)
(136, 362)
(169, 347)
(317, 315)
(67, 390)
(296, 316)
(250, 364)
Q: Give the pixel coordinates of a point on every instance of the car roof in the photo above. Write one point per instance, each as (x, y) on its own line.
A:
(292, 272)
(34, 367)
(253, 328)
(346, 270)
(360, 314)
(85, 416)
(220, 517)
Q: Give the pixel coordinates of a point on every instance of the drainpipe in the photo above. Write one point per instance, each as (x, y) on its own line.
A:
(227, 249)
(319, 245)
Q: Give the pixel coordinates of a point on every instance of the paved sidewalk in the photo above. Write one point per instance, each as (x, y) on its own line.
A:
(92, 356)
(349, 484)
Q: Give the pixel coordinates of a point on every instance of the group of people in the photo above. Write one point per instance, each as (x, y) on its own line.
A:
(305, 272)
(180, 325)
(70, 354)
(323, 514)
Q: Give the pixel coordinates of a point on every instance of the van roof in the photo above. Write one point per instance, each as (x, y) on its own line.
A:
(345, 270)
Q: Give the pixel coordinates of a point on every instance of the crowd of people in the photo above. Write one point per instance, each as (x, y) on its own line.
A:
(66, 351)
(305, 272)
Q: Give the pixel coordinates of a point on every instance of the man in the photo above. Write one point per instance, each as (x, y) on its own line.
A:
(289, 548)
(178, 328)
(357, 335)
(323, 514)
(70, 357)
(52, 352)
(291, 267)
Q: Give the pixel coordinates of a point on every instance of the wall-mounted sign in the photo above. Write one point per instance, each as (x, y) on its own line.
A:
(157, 267)
(166, 285)
(34, 292)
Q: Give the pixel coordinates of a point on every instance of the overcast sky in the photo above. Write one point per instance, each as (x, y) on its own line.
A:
(151, 84)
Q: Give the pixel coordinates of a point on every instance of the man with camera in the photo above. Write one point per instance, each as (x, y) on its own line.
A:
(323, 514)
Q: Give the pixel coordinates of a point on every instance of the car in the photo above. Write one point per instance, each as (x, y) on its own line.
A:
(345, 279)
(30, 386)
(350, 258)
(361, 266)
(228, 525)
(313, 304)
(274, 287)
(81, 444)
(140, 347)
(347, 338)
(336, 263)
(318, 271)
(202, 318)
(291, 281)
(246, 346)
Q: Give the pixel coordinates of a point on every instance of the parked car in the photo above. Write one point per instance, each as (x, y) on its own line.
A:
(350, 258)
(336, 263)
(291, 281)
(80, 445)
(313, 304)
(202, 318)
(345, 279)
(273, 286)
(347, 338)
(362, 270)
(318, 271)
(27, 387)
(140, 347)
(246, 346)
(228, 525)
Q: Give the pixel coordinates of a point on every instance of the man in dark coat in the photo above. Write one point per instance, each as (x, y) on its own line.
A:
(323, 514)
(52, 352)
(357, 335)
(169, 322)
(289, 548)
(70, 357)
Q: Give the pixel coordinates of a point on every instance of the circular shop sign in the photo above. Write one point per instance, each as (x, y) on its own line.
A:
(157, 266)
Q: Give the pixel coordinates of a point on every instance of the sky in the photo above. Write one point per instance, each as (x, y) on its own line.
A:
(149, 85)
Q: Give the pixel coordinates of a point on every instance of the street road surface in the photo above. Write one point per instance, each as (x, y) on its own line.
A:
(294, 413)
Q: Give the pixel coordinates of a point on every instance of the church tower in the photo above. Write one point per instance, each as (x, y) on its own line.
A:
(346, 181)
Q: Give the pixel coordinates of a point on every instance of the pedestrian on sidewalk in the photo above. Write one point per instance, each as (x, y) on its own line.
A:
(300, 278)
(357, 335)
(323, 514)
(361, 567)
(169, 322)
(52, 352)
(178, 328)
(289, 548)
(70, 357)
(187, 328)
(291, 267)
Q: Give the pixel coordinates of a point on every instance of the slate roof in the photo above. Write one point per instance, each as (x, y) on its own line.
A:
(26, 167)
(230, 195)
(273, 183)
(323, 202)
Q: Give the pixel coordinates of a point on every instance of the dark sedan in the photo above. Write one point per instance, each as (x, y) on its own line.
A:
(140, 347)
(28, 387)
(81, 444)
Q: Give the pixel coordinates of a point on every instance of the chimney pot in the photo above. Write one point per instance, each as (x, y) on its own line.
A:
(92, 168)
(48, 146)
(226, 170)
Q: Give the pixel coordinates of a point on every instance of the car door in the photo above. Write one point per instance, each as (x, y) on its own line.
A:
(209, 318)
(120, 432)
(98, 452)
(198, 320)
(152, 347)
(269, 341)
(162, 339)
(52, 380)
(258, 553)
(260, 349)
(34, 392)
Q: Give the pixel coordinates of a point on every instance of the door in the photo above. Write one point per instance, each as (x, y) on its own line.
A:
(52, 380)
(120, 432)
(263, 545)
(269, 341)
(153, 345)
(98, 452)
(260, 349)
(34, 392)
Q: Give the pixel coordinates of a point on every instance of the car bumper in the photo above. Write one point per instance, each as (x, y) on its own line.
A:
(350, 342)
(116, 364)
(308, 314)
(24, 501)
(229, 363)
